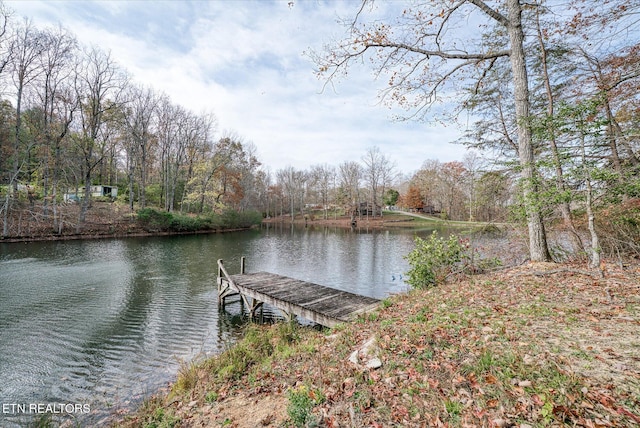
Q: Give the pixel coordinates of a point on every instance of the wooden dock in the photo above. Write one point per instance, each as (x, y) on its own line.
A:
(323, 305)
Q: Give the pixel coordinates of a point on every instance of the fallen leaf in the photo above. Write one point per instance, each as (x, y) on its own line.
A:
(491, 379)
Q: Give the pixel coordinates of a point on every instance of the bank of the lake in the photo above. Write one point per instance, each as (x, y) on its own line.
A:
(112, 219)
(108, 219)
(533, 345)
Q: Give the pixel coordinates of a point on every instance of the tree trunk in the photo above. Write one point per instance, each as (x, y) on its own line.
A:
(16, 143)
(85, 201)
(595, 243)
(538, 250)
(5, 214)
(45, 185)
(131, 175)
(54, 185)
(143, 175)
(565, 208)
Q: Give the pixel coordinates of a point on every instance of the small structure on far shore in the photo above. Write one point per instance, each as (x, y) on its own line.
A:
(96, 191)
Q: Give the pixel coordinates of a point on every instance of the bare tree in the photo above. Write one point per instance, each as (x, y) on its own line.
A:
(56, 98)
(472, 163)
(5, 57)
(423, 54)
(349, 176)
(292, 181)
(28, 44)
(323, 176)
(172, 151)
(99, 86)
(427, 179)
(138, 117)
(195, 134)
(5, 42)
(24, 49)
(248, 166)
(374, 164)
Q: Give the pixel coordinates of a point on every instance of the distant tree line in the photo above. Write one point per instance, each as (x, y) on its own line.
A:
(70, 117)
(330, 188)
(466, 190)
(457, 190)
(552, 89)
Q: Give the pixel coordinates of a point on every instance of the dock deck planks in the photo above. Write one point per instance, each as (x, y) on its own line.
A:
(323, 305)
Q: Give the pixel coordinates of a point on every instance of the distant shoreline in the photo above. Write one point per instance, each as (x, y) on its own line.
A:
(89, 236)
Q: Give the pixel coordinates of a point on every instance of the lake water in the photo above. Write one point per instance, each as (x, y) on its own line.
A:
(102, 324)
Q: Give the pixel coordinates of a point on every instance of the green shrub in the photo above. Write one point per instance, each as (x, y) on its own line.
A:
(154, 220)
(433, 259)
(234, 219)
(302, 400)
(185, 223)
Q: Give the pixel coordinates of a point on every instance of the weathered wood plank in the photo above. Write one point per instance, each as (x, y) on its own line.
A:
(323, 305)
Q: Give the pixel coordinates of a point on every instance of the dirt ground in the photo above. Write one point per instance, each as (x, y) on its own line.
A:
(103, 219)
(550, 318)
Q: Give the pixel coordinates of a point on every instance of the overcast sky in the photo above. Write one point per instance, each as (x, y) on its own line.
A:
(245, 62)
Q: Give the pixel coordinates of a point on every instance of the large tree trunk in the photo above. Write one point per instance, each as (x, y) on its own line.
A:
(539, 252)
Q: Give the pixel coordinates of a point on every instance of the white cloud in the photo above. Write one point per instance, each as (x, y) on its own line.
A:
(244, 61)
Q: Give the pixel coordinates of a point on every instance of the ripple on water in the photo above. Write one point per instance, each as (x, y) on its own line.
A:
(107, 323)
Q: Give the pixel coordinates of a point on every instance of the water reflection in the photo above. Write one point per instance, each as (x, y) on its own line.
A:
(109, 322)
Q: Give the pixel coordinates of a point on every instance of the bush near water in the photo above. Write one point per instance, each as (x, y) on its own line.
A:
(154, 220)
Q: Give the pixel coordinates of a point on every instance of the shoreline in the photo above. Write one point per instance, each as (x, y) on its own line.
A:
(88, 236)
(341, 222)
(112, 221)
(530, 345)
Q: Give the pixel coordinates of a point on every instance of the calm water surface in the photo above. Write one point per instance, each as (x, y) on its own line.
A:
(105, 323)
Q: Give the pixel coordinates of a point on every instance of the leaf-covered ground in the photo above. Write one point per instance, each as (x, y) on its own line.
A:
(535, 345)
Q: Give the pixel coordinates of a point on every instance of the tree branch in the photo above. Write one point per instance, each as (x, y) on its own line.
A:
(436, 53)
(492, 13)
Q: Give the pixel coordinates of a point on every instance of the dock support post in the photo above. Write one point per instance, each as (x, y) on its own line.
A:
(219, 281)
(242, 260)
(226, 287)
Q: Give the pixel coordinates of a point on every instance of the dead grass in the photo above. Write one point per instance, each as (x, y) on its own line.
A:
(514, 348)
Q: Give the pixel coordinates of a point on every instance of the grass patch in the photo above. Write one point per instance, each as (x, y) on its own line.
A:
(477, 352)
(302, 400)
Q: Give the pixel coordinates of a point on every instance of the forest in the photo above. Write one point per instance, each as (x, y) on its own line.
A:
(552, 90)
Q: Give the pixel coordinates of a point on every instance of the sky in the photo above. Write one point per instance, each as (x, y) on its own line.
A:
(245, 62)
